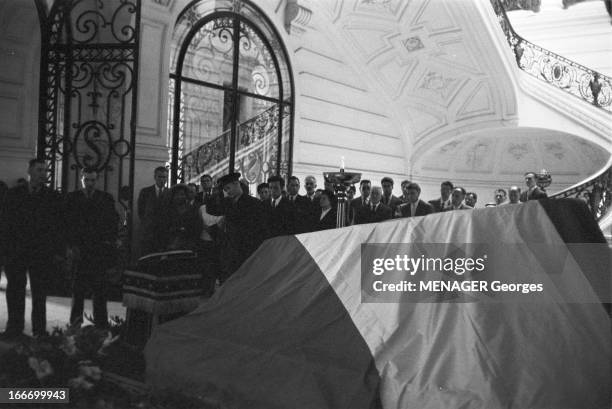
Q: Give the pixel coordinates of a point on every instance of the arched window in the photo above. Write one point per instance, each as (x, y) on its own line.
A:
(231, 94)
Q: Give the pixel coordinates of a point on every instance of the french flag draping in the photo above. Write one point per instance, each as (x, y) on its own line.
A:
(291, 329)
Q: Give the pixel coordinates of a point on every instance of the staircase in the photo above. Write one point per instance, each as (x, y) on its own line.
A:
(256, 150)
(592, 86)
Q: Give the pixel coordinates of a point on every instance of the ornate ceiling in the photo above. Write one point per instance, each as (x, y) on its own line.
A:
(505, 154)
(441, 77)
(436, 66)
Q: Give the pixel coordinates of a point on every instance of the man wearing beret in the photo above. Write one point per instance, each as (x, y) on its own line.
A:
(245, 223)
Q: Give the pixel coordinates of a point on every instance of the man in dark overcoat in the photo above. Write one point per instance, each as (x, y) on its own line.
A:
(149, 201)
(92, 236)
(31, 228)
(245, 223)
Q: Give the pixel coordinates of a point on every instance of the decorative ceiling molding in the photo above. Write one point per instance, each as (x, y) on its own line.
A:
(427, 61)
(389, 10)
(478, 103)
(425, 121)
(436, 20)
(413, 43)
(518, 150)
(163, 3)
(506, 153)
(297, 17)
(478, 157)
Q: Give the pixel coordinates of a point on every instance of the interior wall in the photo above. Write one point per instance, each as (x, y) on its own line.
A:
(484, 160)
(19, 73)
(341, 111)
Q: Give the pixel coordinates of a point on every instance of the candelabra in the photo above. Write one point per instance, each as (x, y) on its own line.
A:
(543, 179)
(341, 182)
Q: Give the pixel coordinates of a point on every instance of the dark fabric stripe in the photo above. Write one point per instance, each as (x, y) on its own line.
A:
(573, 220)
(275, 336)
(576, 225)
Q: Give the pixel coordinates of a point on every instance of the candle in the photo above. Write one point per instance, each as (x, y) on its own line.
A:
(342, 162)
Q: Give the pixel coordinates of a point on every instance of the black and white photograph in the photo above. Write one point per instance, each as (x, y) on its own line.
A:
(306, 204)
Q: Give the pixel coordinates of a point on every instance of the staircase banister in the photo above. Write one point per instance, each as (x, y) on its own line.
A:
(570, 76)
(596, 191)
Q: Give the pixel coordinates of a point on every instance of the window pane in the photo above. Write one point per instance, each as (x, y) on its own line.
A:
(210, 56)
(251, 14)
(286, 138)
(188, 18)
(257, 140)
(257, 72)
(205, 130)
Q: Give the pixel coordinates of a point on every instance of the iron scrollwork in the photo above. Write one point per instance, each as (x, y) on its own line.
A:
(88, 93)
(102, 20)
(596, 192)
(578, 80)
(228, 66)
(257, 142)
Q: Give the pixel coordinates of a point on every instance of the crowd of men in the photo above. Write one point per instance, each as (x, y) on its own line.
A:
(231, 223)
(222, 223)
(40, 230)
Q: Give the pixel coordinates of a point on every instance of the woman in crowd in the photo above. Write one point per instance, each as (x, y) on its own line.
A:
(179, 222)
(327, 214)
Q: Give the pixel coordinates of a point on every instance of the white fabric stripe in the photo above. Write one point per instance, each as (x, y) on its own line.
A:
(473, 355)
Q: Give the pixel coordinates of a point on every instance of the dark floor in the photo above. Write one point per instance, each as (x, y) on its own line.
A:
(58, 312)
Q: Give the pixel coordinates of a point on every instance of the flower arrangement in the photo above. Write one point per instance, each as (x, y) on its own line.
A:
(68, 357)
(76, 358)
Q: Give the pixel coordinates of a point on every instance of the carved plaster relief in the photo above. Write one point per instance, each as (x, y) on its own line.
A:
(518, 150)
(413, 43)
(441, 87)
(477, 157)
(478, 103)
(164, 3)
(555, 149)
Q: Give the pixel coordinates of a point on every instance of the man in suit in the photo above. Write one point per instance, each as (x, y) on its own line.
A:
(365, 186)
(149, 200)
(310, 184)
(375, 211)
(245, 223)
(92, 237)
(281, 213)
(414, 206)
(470, 199)
(500, 198)
(533, 192)
(439, 205)
(31, 231)
(514, 195)
(206, 185)
(404, 197)
(263, 192)
(388, 198)
(457, 198)
(305, 211)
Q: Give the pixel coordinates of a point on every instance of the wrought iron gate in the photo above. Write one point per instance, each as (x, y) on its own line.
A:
(88, 91)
